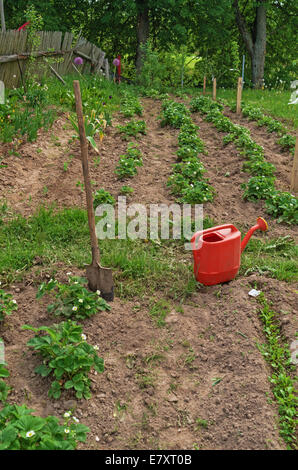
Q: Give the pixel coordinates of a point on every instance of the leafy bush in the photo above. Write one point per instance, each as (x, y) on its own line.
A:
(73, 300)
(66, 356)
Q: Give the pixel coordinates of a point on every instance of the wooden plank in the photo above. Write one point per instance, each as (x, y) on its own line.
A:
(239, 96)
(214, 90)
(294, 175)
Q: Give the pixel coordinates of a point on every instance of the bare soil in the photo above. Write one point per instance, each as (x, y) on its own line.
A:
(200, 381)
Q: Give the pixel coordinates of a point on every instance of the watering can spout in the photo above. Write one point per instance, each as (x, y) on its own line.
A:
(260, 225)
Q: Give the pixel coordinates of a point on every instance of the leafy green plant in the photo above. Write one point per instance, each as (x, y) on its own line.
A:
(101, 196)
(132, 128)
(258, 187)
(287, 141)
(128, 163)
(174, 114)
(4, 388)
(7, 304)
(21, 430)
(126, 190)
(73, 300)
(130, 106)
(93, 126)
(66, 356)
(283, 206)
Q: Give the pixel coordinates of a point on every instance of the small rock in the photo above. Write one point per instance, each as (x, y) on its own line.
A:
(172, 399)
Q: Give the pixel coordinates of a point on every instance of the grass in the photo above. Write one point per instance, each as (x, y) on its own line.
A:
(272, 102)
(275, 257)
(140, 267)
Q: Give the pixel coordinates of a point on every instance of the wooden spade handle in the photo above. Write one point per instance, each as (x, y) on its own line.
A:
(85, 166)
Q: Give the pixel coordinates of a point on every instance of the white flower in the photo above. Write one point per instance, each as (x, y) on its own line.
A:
(66, 430)
(67, 414)
(81, 301)
(68, 274)
(75, 419)
(97, 439)
(30, 433)
(84, 337)
(98, 292)
(14, 301)
(96, 347)
(74, 308)
(76, 282)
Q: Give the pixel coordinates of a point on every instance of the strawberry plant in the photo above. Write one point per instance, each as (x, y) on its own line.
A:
(132, 128)
(66, 356)
(283, 206)
(73, 300)
(258, 187)
(130, 105)
(101, 196)
(7, 304)
(197, 193)
(128, 163)
(21, 430)
(174, 114)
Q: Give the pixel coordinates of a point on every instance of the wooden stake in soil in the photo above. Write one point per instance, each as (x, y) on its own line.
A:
(204, 85)
(214, 89)
(239, 96)
(294, 176)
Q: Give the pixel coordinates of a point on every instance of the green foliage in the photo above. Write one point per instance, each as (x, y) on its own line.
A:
(7, 304)
(174, 114)
(260, 186)
(283, 206)
(279, 359)
(132, 128)
(101, 196)
(66, 356)
(4, 388)
(21, 430)
(73, 300)
(128, 163)
(130, 105)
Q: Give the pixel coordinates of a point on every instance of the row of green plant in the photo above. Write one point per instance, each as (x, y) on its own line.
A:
(129, 162)
(187, 181)
(285, 140)
(261, 186)
(278, 356)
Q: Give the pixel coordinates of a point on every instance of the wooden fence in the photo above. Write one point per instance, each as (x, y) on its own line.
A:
(15, 51)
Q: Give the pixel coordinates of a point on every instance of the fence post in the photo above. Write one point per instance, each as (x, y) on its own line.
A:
(294, 176)
(239, 96)
(204, 85)
(214, 89)
(3, 27)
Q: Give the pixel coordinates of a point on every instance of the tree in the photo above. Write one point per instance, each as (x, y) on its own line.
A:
(143, 29)
(254, 39)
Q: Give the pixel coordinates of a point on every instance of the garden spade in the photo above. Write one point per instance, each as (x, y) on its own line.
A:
(99, 278)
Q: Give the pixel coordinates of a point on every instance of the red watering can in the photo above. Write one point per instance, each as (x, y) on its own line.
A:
(217, 252)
